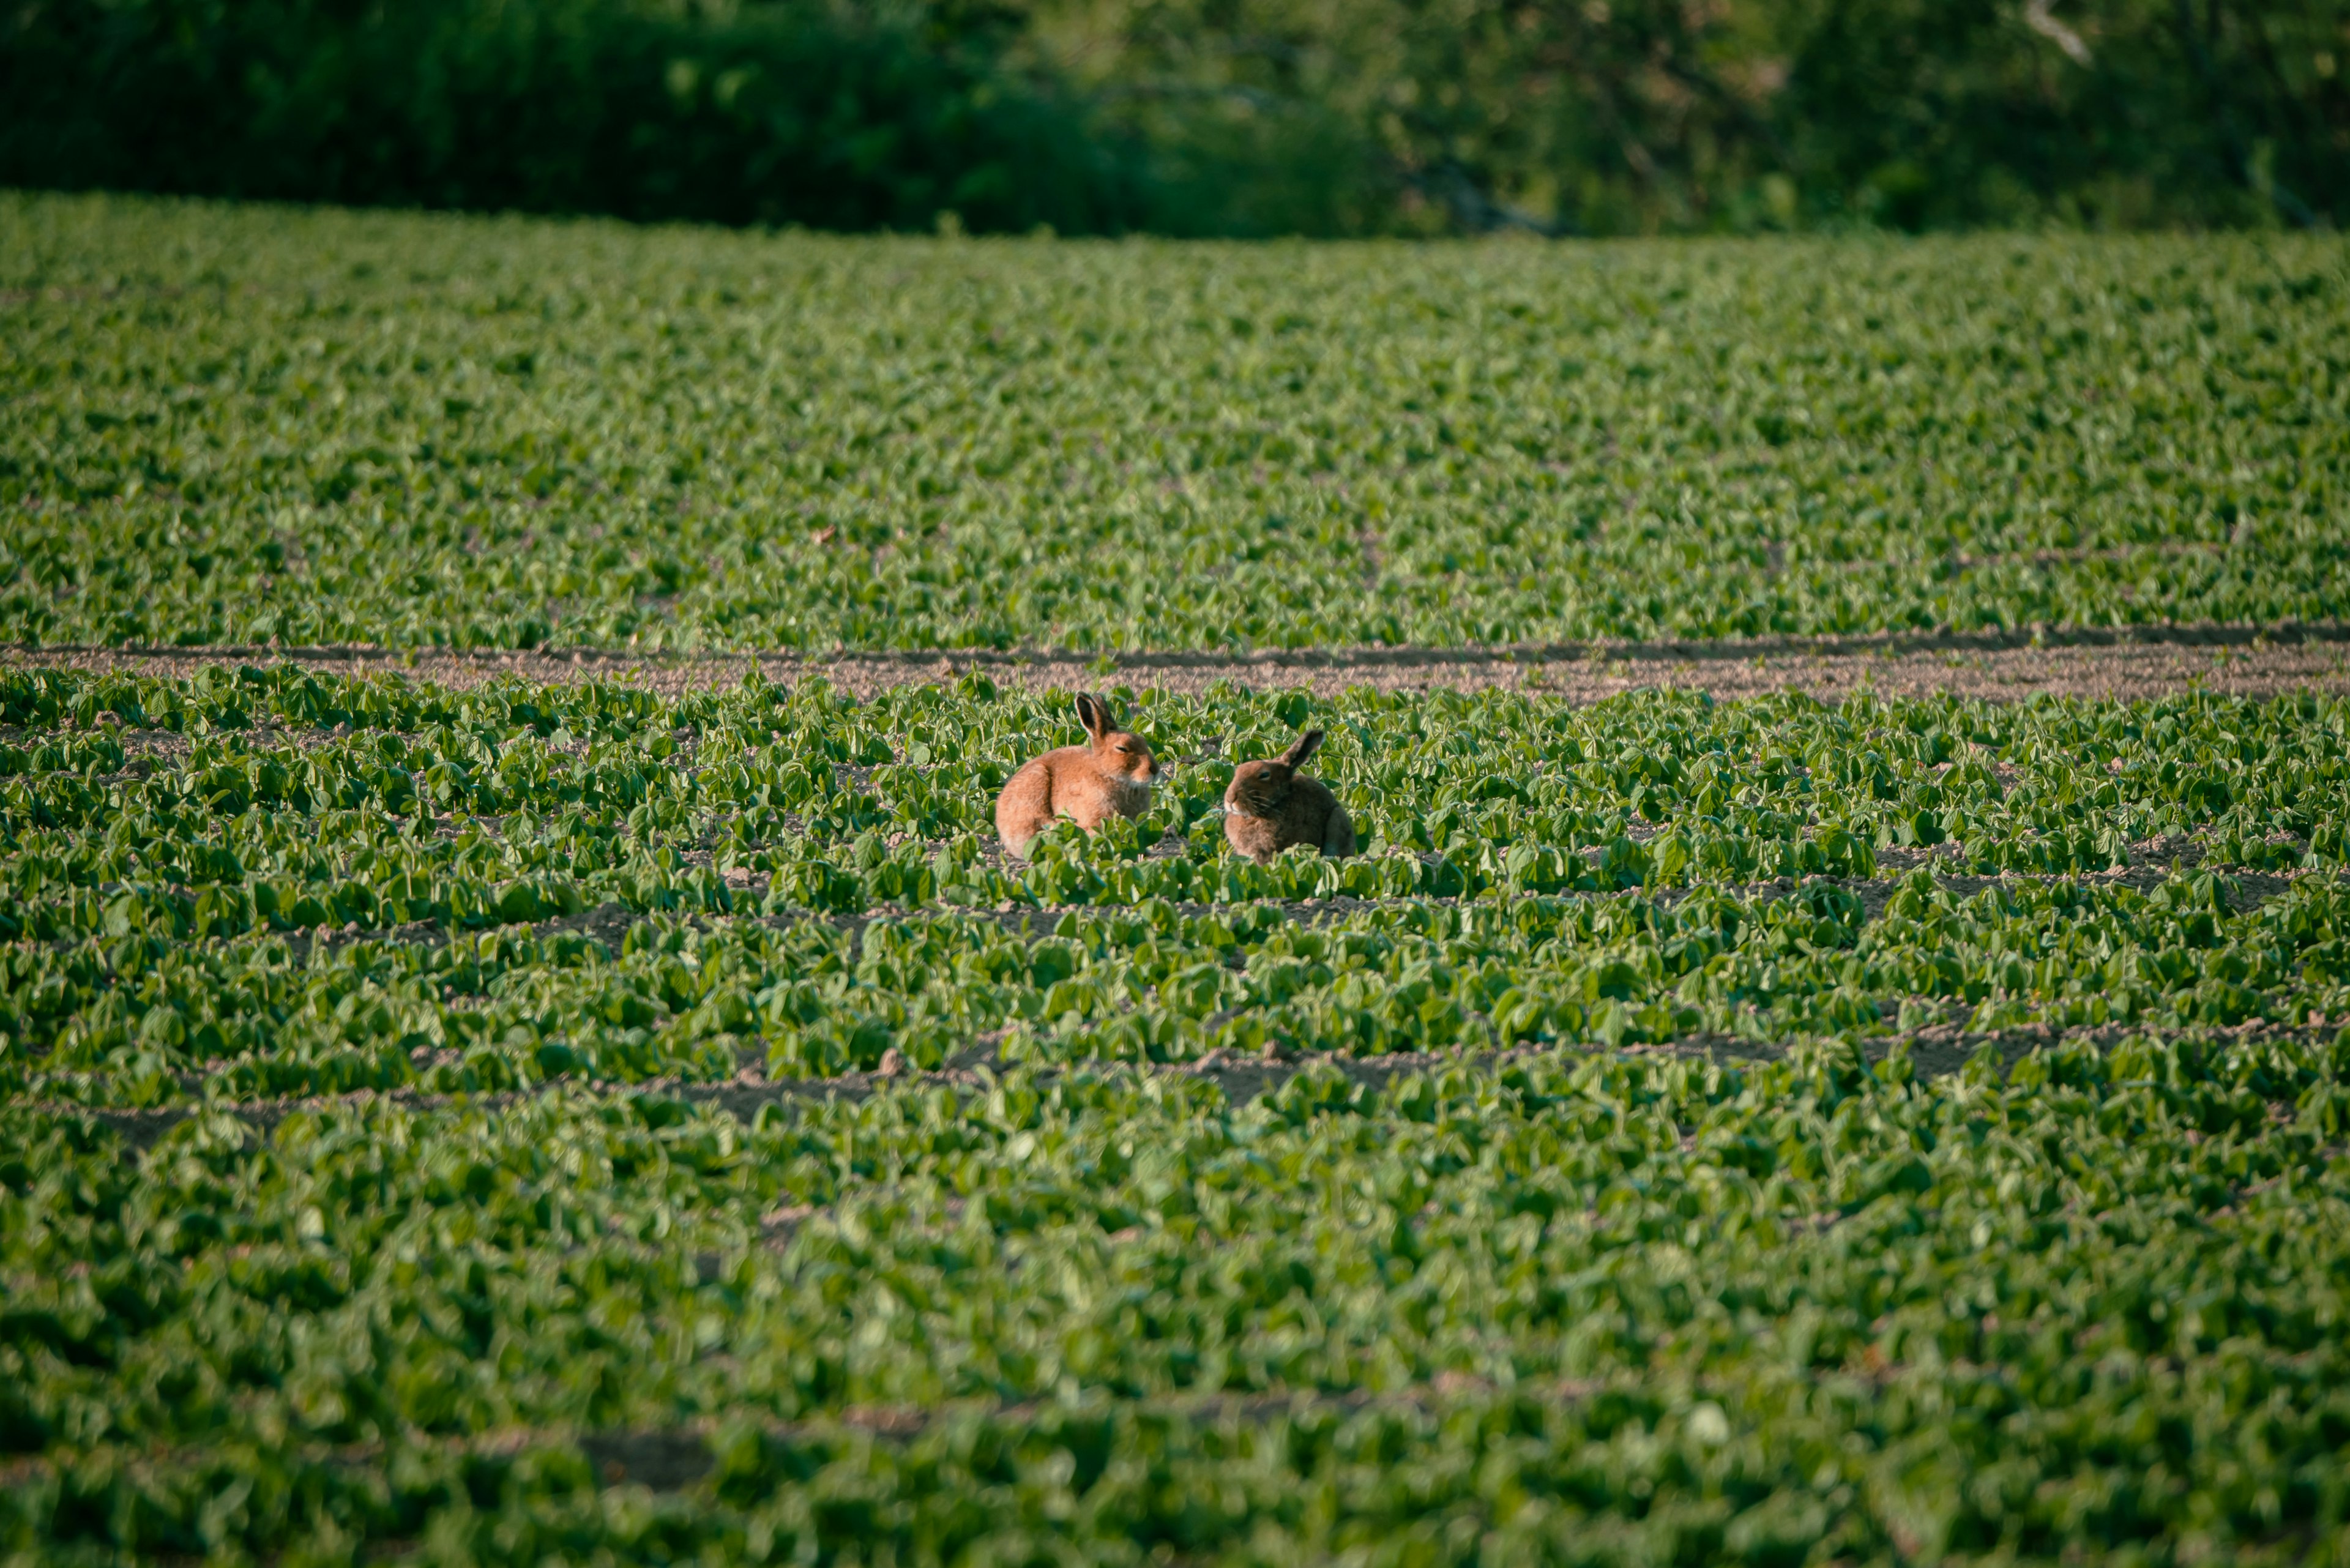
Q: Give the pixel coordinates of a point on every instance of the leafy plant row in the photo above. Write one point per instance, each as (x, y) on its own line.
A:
(222, 424)
(1591, 1310)
(279, 799)
(1584, 1301)
(142, 1020)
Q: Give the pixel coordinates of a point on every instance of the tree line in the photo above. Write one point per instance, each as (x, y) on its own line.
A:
(1206, 116)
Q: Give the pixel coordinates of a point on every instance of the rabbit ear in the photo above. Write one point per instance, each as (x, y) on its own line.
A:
(1092, 714)
(1305, 746)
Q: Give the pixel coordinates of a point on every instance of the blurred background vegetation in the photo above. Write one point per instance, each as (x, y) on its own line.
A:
(1206, 116)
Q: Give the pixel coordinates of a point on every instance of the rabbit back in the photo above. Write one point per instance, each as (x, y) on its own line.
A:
(1068, 783)
(1339, 832)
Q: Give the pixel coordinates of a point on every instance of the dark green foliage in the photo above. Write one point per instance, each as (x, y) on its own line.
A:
(2213, 112)
(832, 117)
(1657, 114)
(1207, 117)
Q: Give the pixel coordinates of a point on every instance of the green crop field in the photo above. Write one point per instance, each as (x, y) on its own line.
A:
(635, 1118)
(230, 426)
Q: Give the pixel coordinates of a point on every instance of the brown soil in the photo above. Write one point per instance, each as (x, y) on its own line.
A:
(2139, 662)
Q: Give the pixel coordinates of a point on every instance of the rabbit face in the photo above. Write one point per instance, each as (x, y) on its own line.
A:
(1128, 754)
(1258, 788)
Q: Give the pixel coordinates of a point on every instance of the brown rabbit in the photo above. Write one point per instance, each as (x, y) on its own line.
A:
(1270, 806)
(1085, 783)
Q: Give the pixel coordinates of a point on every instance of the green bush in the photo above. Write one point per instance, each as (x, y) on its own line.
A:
(1658, 115)
(764, 113)
(1205, 117)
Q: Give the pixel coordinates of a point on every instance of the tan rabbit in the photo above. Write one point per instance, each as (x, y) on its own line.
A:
(1086, 784)
(1270, 806)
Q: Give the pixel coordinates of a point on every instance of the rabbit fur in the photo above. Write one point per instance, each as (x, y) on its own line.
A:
(1270, 806)
(1112, 774)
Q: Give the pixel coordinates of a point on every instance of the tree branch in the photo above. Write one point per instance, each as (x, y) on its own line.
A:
(2038, 17)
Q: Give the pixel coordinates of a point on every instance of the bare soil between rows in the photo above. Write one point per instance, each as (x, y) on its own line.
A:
(2119, 665)
(1937, 1051)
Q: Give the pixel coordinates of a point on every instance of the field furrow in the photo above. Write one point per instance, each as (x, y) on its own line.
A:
(2134, 663)
(1933, 1053)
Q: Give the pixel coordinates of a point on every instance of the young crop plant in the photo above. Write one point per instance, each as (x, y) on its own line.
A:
(1596, 1311)
(620, 1121)
(240, 426)
(533, 1120)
